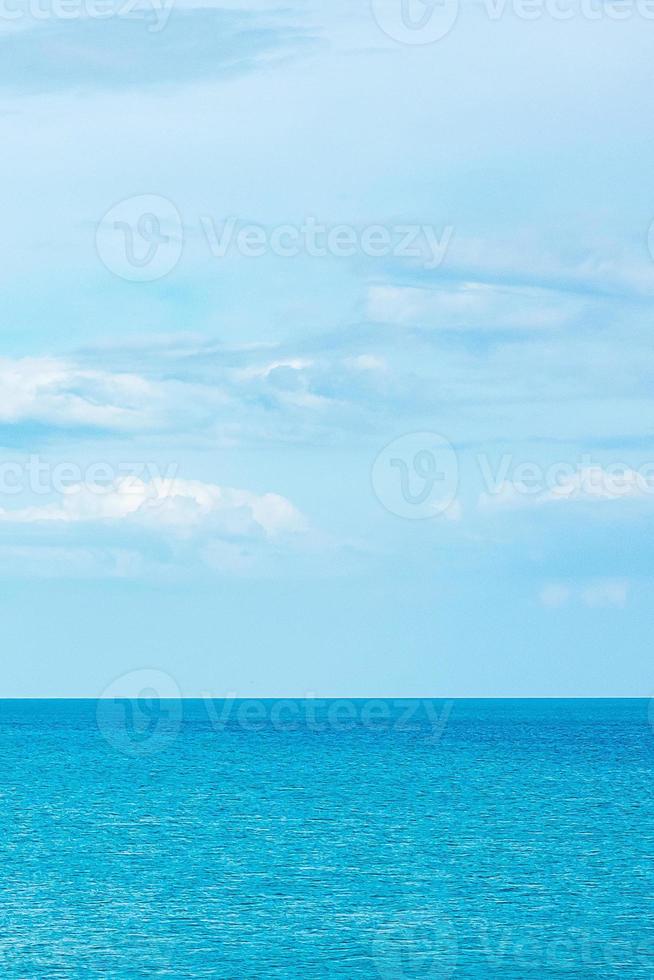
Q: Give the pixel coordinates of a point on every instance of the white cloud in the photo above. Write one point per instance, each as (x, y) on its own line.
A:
(610, 592)
(554, 595)
(583, 263)
(366, 362)
(473, 305)
(265, 370)
(600, 593)
(590, 484)
(58, 392)
(597, 483)
(454, 512)
(173, 505)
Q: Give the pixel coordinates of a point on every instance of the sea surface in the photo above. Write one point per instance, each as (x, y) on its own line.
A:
(471, 839)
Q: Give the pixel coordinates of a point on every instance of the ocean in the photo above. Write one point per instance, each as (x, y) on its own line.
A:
(469, 838)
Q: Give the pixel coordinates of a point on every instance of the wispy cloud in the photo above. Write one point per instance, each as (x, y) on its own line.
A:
(59, 392)
(600, 593)
(152, 47)
(473, 306)
(136, 528)
(356, 381)
(585, 485)
(176, 505)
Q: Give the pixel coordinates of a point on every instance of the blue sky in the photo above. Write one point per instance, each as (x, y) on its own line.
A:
(188, 447)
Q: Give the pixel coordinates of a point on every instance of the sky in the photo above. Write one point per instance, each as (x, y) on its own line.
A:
(325, 364)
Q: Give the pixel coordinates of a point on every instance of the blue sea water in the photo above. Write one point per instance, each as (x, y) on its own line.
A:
(471, 839)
